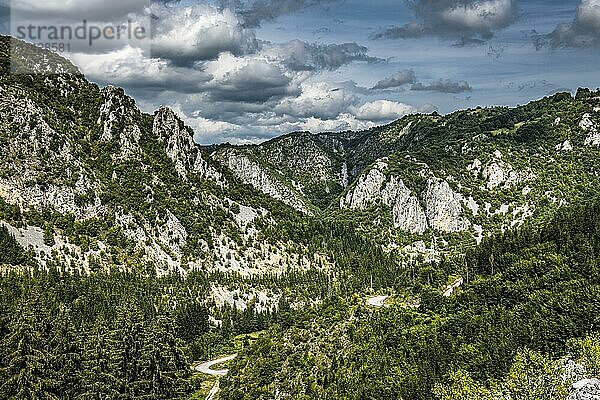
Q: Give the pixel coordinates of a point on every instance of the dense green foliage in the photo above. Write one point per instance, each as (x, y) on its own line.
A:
(113, 336)
(10, 251)
(536, 289)
(109, 326)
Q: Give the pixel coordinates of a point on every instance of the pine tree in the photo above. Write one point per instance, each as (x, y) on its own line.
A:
(192, 321)
(126, 352)
(26, 373)
(96, 376)
(65, 356)
(164, 365)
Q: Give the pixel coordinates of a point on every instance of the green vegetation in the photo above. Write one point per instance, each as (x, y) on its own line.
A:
(10, 251)
(529, 296)
(104, 317)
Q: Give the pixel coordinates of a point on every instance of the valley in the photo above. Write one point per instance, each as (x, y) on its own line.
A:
(439, 256)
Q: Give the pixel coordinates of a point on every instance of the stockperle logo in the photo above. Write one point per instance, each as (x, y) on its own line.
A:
(79, 26)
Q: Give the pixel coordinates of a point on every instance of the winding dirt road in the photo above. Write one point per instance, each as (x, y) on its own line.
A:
(206, 367)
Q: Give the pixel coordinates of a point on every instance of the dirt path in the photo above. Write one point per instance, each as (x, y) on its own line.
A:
(451, 288)
(206, 367)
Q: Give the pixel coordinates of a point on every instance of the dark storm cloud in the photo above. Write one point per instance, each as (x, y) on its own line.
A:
(443, 86)
(257, 81)
(455, 19)
(400, 78)
(583, 31)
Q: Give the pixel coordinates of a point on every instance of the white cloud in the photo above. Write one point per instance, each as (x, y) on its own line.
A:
(321, 100)
(198, 33)
(588, 14)
(479, 16)
(130, 67)
(382, 110)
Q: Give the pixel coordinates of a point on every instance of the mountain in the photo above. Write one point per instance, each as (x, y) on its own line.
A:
(447, 257)
(428, 184)
(447, 181)
(90, 181)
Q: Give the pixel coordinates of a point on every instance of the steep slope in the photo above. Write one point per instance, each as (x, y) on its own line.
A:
(449, 180)
(524, 325)
(89, 181)
(299, 168)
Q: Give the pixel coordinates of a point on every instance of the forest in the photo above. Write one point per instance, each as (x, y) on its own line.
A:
(531, 298)
(530, 303)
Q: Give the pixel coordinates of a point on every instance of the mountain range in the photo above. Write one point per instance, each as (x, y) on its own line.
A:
(90, 184)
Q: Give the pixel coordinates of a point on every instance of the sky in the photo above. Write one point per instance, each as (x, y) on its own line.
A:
(244, 71)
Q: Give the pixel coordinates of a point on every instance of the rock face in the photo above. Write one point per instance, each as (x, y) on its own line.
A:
(407, 212)
(586, 389)
(494, 174)
(367, 190)
(587, 125)
(35, 151)
(118, 116)
(443, 207)
(499, 173)
(251, 173)
(180, 146)
(372, 189)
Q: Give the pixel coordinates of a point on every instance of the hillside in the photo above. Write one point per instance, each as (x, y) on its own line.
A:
(523, 326)
(447, 257)
(445, 180)
(90, 181)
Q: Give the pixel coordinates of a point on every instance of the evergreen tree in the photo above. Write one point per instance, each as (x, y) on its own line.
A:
(126, 351)
(163, 362)
(65, 355)
(26, 371)
(98, 381)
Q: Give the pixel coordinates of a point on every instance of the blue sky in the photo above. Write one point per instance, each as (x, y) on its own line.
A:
(247, 70)
(506, 70)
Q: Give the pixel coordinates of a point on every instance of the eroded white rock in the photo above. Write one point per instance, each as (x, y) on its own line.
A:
(443, 207)
(585, 389)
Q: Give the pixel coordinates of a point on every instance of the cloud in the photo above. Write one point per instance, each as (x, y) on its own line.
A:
(400, 78)
(443, 86)
(455, 19)
(75, 10)
(230, 86)
(268, 10)
(301, 56)
(321, 100)
(382, 110)
(245, 79)
(130, 67)
(318, 107)
(582, 32)
(186, 35)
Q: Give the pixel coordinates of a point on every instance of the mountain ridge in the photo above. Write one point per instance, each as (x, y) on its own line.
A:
(432, 182)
